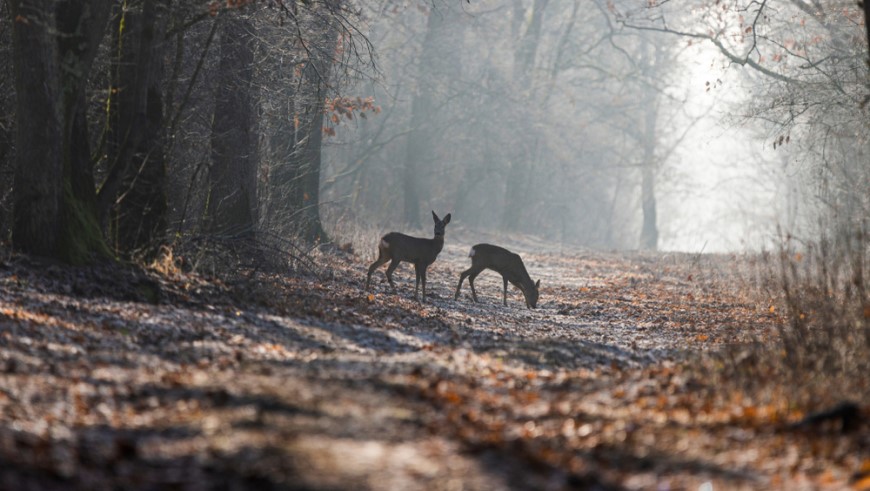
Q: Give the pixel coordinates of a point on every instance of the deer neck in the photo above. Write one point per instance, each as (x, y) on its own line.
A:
(438, 241)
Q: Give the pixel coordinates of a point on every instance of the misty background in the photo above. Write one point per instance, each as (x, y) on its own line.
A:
(597, 124)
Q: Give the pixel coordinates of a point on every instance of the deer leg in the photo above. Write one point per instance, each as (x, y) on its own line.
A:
(375, 265)
(471, 282)
(461, 279)
(417, 282)
(392, 267)
(423, 279)
(505, 291)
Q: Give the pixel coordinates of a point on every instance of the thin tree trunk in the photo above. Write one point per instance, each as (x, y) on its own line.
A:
(649, 235)
(866, 5)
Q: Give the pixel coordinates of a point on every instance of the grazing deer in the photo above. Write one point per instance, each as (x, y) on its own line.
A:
(507, 264)
(396, 247)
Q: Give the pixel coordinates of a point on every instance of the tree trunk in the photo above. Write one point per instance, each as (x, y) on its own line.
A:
(437, 71)
(315, 75)
(866, 6)
(418, 152)
(38, 176)
(516, 200)
(649, 235)
(54, 197)
(232, 203)
(7, 121)
(294, 179)
(135, 192)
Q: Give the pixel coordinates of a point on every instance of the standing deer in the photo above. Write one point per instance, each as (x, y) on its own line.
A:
(396, 247)
(507, 264)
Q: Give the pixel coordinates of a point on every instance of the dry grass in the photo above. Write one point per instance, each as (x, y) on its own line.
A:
(818, 357)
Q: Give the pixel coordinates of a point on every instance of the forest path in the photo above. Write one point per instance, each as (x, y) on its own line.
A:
(305, 382)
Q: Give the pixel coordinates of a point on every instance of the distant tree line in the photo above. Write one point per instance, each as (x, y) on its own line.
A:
(524, 116)
(568, 120)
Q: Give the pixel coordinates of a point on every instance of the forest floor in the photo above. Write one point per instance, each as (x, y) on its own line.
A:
(122, 378)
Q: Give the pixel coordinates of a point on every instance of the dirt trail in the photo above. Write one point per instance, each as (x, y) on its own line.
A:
(301, 382)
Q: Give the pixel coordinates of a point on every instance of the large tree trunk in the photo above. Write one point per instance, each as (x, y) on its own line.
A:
(232, 203)
(7, 121)
(135, 191)
(38, 177)
(54, 197)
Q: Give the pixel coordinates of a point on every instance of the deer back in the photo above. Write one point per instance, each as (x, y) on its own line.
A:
(403, 247)
(502, 261)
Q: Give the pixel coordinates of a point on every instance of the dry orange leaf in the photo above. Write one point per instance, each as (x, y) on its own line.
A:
(827, 477)
(862, 483)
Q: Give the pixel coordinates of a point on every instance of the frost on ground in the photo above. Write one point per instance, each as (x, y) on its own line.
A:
(121, 379)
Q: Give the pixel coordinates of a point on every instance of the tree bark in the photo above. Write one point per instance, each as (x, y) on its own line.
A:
(296, 142)
(649, 235)
(38, 175)
(135, 192)
(316, 75)
(232, 203)
(55, 43)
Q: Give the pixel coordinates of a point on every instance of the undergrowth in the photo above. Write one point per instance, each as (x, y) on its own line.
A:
(819, 355)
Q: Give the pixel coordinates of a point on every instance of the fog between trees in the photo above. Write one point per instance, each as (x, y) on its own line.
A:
(130, 125)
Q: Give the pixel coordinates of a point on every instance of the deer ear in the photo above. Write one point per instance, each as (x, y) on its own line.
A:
(447, 219)
(435, 217)
(538, 284)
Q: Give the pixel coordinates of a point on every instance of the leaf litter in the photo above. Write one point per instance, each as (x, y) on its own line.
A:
(114, 377)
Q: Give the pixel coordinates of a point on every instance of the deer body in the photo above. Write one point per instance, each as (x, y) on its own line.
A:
(396, 247)
(504, 262)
